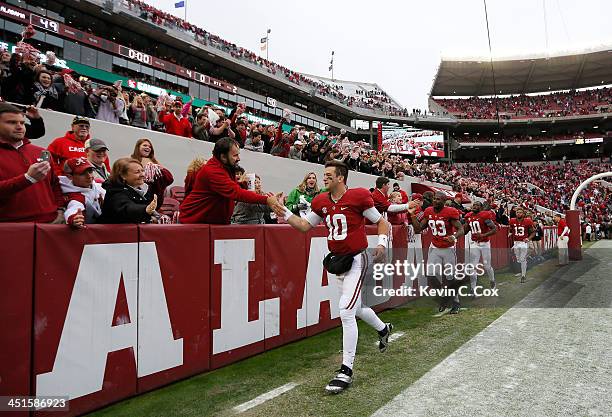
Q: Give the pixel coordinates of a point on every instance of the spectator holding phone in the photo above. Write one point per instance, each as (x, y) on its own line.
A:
(128, 199)
(109, 106)
(29, 189)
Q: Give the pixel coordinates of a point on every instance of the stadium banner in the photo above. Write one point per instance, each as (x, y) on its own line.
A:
(85, 315)
(285, 279)
(174, 277)
(238, 306)
(410, 141)
(16, 274)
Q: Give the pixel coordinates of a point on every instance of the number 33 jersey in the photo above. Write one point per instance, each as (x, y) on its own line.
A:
(345, 219)
(439, 223)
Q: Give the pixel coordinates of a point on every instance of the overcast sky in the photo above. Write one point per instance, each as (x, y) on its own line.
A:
(398, 44)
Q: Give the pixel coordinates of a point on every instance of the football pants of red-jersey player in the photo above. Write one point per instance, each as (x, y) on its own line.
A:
(442, 257)
(480, 247)
(520, 234)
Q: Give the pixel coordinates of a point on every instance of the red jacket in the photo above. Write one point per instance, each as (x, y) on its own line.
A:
(381, 201)
(20, 200)
(214, 192)
(64, 148)
(174, 126)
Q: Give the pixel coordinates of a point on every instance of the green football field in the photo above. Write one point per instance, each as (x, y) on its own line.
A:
(310, 363)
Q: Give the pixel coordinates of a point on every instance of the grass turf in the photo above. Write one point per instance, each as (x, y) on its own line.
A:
(311, 362)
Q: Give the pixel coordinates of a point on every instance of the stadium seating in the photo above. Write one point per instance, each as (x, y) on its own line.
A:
(169, 207)
(177, 192)
(559, 104)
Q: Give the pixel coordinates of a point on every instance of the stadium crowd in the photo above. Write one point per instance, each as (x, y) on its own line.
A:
(526, 138)
(559, 104)
(24, 80)
(374, 99)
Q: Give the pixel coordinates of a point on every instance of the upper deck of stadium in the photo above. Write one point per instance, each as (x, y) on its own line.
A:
(536, 73)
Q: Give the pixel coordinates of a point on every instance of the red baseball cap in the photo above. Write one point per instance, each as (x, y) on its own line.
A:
(76, 166)
(417, 196)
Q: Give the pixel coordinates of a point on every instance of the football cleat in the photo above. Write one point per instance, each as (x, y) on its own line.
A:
(383, 341)
(341, 382)
(493, 284)
(454, 309)
(523, 279)
(442, 305)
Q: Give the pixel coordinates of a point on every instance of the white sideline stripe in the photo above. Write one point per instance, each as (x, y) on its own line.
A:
(265, 397)
(393, 337)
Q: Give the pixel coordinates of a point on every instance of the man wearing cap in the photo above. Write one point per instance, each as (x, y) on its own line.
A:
(29, 189)
(71, 145)
(397, 189)
(97, 155)
(295, 152)
(84, 196)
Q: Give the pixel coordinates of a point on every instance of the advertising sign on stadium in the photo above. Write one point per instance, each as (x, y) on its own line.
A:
(147, 88)
(409, 141)
(583, 141)
(271, 101)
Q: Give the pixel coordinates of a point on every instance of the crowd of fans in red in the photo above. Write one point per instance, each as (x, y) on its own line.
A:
(373, 100)
(559, 104)
(527, 138)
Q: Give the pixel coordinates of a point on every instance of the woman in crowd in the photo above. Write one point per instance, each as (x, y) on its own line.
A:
(128, 199)
(45, 93)
(192, 171)
(246, 213)
(138, 112)
(299, 199)
(157, 177)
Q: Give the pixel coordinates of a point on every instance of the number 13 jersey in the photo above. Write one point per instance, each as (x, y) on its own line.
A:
(439, 223)
(345, 219)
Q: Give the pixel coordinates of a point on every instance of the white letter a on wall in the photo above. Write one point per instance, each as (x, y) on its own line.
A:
(88, 334)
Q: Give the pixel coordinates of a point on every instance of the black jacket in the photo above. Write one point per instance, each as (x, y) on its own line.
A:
(122, 204)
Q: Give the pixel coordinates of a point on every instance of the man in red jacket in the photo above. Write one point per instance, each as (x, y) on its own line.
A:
(29, 189)
(215, 189)
(175, 122)
(71, 145)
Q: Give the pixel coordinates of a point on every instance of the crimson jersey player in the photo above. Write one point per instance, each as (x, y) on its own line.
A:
(344, 211)
(445, 228)
(344, 219)
(482, 226)
(521, 231)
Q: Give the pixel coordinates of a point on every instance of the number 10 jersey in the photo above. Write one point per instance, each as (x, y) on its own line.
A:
(345, 219)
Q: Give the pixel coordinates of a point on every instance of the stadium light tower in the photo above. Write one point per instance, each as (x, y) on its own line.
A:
(331, 65)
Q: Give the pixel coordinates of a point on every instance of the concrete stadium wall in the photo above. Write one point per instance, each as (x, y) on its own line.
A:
(175, 153)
